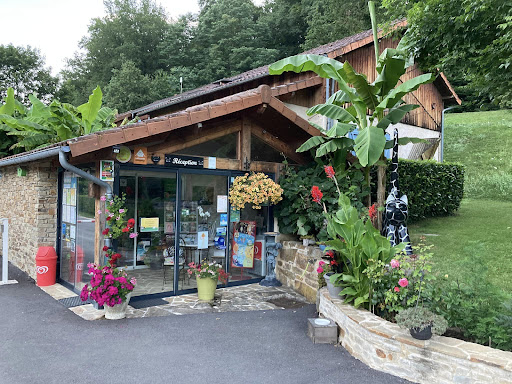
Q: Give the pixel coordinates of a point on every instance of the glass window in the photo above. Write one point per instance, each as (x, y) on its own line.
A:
(223, 147)
(261, 151)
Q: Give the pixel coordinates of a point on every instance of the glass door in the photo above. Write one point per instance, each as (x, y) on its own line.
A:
(203, 220)
(151, 199)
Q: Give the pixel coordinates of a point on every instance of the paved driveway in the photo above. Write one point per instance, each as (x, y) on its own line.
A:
(43, 342)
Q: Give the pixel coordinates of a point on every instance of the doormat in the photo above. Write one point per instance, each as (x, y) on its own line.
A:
(286, 302)
(75, 301)
(145, 303)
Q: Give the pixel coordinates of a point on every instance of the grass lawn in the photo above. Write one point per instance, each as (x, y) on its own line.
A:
(474, 243)
(482, 141)
(477, 241)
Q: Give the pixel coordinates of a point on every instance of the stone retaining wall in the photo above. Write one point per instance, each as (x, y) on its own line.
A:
(384, 346)
(30, 204)
(296, 268)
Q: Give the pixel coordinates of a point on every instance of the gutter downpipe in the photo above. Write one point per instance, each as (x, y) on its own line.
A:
(63, 160)
(442, 132)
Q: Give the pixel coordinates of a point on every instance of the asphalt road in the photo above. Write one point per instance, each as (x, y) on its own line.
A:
(43, 342)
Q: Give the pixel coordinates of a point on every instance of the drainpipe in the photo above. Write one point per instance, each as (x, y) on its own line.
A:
(63, 160)
(442, 132)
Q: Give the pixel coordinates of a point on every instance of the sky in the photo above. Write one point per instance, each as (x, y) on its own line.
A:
(56, 26)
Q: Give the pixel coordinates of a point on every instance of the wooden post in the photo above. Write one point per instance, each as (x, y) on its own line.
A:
(245, 143)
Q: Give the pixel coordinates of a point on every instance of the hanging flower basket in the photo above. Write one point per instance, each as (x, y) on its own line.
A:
(256, 189)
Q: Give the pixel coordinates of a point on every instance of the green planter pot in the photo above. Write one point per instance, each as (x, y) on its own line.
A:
(206, 287)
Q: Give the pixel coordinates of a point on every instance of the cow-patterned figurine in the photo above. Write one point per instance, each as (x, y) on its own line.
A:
(395, 216)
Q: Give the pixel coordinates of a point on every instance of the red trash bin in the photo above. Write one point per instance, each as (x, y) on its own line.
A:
(46, 264)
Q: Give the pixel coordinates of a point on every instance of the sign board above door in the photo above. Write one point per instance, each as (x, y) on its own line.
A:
(184, 161)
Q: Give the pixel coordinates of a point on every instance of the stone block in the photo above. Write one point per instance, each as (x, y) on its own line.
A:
(323, 334)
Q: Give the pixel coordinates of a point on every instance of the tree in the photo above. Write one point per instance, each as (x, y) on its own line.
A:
(131, 30)
(230, 39)
(469, 39)
(22, 69)
(330, 20)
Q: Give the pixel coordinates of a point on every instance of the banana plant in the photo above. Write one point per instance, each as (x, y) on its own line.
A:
(379, 97)
(40, 124)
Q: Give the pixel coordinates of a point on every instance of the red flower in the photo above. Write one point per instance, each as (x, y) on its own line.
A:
(372, 211)
(334, 262)
(116, 256)
(329, 170)
(105, 231)
(126, 229)
(105, 248)
(397, 289)
(317, 194)
(329, 253)
(108, 218)
(131, 223)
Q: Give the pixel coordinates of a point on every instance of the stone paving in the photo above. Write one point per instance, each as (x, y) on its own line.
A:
(252, 297)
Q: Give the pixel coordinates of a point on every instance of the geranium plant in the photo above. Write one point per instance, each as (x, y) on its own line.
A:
(117, 225)
(329, 265)
(108, 286)
(208, 270)
(256, 189)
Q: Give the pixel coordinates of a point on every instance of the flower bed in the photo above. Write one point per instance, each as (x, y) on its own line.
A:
(384, 346)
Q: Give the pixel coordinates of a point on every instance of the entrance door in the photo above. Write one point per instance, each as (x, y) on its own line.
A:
(151, 200)
(203, 220)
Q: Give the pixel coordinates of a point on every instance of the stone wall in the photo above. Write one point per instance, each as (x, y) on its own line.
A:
(30, 204)
(384, 346)
(296, 268)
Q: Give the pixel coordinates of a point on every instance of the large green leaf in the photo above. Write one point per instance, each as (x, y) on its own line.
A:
(312, 142)
(340, 129)
(38, 110)
(390, 66)
(331, 111)
(369, 145)
(395, 115)
(333, 145)
(90, 109)
(8, 107)
(410, 85)
(365, 91)
(304, 63)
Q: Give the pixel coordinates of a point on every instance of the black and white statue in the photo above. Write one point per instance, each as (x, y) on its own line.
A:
(395, 216)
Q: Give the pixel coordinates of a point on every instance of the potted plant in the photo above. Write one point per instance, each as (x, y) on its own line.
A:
(327, 268)
(109, 287)
(257, 189)
(207, 274)
(421, 322)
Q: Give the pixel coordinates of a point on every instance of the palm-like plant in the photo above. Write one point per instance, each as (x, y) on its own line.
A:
(41, 125)
(368, 107)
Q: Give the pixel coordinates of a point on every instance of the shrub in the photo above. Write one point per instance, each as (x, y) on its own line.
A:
(433, 189)
(299, 214)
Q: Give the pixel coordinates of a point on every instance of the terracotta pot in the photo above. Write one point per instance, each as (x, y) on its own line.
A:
(206, 287)
(118, 311)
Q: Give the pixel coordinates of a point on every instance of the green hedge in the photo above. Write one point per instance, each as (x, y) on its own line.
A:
(432, 188)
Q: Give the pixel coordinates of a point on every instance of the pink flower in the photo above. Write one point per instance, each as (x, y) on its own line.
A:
(397, 289)
(395, 263)
(121, 210)
(99, 211)
(403, 282)
(319, 270)
(133, 235)
(321, 262)
(103, 198)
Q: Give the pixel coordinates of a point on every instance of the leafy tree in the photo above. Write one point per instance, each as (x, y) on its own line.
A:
(468, 39)
(131, 30)
(22, 69)
(331, 20)
(230, 39)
